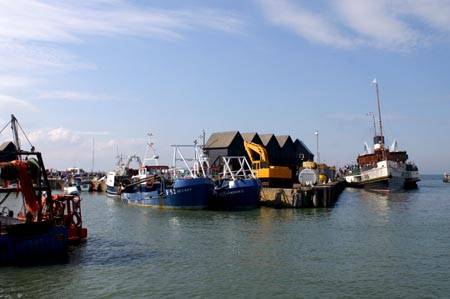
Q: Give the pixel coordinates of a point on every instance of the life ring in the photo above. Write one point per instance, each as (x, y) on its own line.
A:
(149, 184)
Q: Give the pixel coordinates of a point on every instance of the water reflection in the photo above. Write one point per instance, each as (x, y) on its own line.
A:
(381, 203)
(348, 251)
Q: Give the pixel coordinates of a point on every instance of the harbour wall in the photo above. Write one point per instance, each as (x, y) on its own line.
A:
(318, 196)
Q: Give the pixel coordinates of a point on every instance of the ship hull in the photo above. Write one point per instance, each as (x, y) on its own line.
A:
(190, 194)
(237, 195)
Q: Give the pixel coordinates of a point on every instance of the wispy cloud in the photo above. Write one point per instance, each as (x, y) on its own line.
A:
(434, 14)
(399, 25)
(312, 26)
(15, 104)
(13, 82)
(32, 33)
(69, 96)
(67, 21)
(378, 23)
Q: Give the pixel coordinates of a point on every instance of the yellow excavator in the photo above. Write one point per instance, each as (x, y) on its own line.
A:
(270, 176)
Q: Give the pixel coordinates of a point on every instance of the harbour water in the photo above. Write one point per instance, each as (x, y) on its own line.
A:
(366, 246)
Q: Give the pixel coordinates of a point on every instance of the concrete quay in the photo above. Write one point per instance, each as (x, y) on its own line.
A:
(318, 196)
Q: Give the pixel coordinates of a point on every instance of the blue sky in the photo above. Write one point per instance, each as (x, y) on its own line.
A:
(109, 72)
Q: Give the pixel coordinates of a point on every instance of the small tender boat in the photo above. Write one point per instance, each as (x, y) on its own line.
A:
(46, 224)
(446, 178)
(238, 188)
(187, 187)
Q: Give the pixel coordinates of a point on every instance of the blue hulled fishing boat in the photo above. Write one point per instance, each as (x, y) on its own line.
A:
(237, 188)
(186, 187)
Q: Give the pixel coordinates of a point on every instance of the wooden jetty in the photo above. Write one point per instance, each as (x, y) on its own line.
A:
(317, 196)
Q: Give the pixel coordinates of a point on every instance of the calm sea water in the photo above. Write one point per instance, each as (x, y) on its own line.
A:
(366, 246)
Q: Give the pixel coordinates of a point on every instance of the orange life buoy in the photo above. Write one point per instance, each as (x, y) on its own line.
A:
(149, 184)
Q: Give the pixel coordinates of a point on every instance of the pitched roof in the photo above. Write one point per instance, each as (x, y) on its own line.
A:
(249, 136)
(298, 142)
(221, 139)
(283, 139)
(265, 138)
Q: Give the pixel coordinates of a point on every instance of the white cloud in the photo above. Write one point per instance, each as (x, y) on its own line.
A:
(57, 135)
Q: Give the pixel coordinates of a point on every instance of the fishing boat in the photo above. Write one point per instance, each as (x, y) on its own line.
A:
(150, 175)
(76, 179)
(35, 225)
(383, 169)
(179, 187)
(237, 187)
(121, 176)
(84, 185)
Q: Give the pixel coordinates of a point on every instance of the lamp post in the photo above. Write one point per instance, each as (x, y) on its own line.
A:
(317, 146)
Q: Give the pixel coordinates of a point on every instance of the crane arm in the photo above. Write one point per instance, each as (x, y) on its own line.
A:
(251, 147)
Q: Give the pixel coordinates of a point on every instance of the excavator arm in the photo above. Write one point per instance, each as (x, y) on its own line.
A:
(272, 176)
(263, 161)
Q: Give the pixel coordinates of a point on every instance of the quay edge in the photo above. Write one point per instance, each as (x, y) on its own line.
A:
(318, 196)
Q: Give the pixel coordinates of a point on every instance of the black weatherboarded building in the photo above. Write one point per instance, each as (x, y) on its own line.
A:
(282, 150)
(224, 144)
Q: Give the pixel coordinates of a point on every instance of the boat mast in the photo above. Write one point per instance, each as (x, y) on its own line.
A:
(374, 124)
(379, 113)
(15, 132)
(93, 152)
(150, 147)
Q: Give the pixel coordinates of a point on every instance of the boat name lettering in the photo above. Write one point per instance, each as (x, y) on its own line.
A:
(180, 190)
(235, 192)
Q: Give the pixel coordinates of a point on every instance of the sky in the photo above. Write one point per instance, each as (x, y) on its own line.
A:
(90, 80)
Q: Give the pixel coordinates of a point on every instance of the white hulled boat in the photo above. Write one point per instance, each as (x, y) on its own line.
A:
(383, 169)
